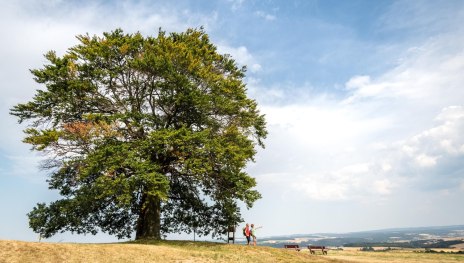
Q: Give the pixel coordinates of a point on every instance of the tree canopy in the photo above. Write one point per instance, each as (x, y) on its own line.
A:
(143, 134)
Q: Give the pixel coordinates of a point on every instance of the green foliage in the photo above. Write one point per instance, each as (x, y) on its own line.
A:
(428, 250)
(133, 122)
(366, 249)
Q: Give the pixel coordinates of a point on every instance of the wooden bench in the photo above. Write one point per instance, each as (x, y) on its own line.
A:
(312, 249)
(295, 247)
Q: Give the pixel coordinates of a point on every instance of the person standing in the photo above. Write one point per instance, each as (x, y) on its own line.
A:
(253, 233)
(247, 233)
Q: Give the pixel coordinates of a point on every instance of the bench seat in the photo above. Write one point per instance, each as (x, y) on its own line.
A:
(312, 249)
(295, 247)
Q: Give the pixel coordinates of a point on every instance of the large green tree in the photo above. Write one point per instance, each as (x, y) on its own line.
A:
(143, 134)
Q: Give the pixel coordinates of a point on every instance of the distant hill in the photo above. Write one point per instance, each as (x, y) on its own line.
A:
(414, 237)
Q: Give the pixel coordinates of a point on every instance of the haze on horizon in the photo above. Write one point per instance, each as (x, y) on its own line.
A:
(364, 102)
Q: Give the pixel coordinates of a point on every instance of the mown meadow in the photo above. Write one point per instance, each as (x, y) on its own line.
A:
(186, 251)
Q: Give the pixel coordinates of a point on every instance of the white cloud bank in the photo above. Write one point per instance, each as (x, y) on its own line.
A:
(392, 132)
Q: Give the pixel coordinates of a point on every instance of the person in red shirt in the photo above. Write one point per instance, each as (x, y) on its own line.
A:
(248, 234)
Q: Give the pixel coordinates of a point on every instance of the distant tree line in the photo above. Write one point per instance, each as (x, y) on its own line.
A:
(441, 251)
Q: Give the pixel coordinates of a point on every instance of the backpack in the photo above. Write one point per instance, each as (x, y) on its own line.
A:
(244, 231)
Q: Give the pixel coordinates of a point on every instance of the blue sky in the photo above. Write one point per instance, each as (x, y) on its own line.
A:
(363, 99)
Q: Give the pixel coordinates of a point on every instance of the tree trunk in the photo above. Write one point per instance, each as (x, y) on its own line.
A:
(148, 225)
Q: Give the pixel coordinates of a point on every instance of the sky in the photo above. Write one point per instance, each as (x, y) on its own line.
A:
(364, 103)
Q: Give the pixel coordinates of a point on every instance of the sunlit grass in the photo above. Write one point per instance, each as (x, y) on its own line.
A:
(187, 251)
(395, 256)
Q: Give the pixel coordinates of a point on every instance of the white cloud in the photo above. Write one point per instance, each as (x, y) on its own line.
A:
(242, 56)
(400, 130)
(430, 74)
(321, 150)
(424, 160)
(265, 15)
(422, 17)
(236, 4)
(383, 186)
(316, 125)
(35, 27)
(334, 154)
(358, 82)
(445, 139)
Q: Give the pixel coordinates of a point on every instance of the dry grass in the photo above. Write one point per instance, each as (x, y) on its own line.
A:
(190, 252)
(395, 256)
(163, 251)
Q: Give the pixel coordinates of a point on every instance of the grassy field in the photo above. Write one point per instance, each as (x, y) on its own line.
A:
(395, 256)
(177, 251)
